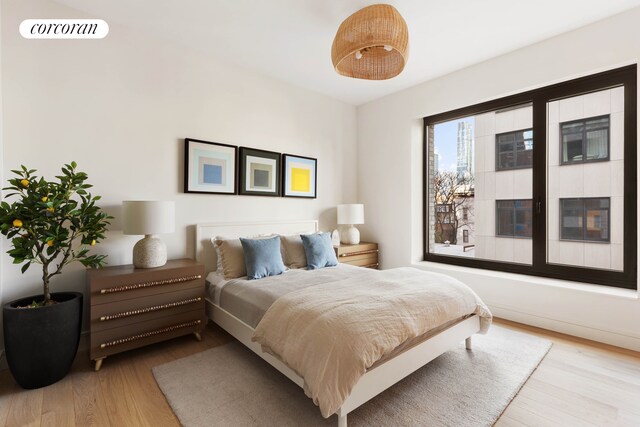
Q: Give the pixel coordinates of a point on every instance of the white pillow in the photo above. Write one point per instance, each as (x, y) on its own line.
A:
(230, 256)
(293, 250)
(218, 257)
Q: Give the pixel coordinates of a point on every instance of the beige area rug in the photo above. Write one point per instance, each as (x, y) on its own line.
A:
(231, 386)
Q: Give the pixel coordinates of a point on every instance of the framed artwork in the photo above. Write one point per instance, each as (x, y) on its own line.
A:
(259, 172)
(209, 167)
(299, 176)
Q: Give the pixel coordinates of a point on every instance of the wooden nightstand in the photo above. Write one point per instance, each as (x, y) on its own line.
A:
(131, 307)
(363, 254)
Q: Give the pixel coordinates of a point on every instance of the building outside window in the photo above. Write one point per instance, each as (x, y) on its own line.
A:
(514, 150)
(585, 219)
(514, 218)
(585, 140)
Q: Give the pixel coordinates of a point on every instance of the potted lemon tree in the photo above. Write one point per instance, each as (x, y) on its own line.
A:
(50, 223)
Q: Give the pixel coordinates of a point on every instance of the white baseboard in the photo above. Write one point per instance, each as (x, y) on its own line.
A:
(607, 337)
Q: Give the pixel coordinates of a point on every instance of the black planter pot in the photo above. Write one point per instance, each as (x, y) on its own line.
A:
(42, 342)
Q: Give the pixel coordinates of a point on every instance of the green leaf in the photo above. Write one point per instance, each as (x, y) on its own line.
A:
(75, 218)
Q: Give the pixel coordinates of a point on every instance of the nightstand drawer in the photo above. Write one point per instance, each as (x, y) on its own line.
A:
(360, 248)
(369, 262)
(116, 340)
(372, 257)
(112, 289)
(106, 316)
(363, 254)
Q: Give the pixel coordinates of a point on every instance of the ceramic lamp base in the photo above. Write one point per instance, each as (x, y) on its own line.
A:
(350, 236)
(149, 252)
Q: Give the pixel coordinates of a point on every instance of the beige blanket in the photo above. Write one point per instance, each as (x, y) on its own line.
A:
(331, 333)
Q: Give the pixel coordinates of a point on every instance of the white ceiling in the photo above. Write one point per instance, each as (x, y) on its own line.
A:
(291, 39)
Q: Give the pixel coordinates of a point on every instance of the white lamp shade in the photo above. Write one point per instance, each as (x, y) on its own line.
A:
(148, 217)
(351, 214)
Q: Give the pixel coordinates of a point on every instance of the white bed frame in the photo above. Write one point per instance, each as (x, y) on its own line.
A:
(373, 381)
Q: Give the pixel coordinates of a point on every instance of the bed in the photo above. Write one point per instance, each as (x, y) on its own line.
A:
(243, 323)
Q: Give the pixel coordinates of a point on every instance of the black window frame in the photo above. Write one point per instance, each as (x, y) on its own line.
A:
(514, 209)
(538, 98)
(514, 150)
(584, 221)
(584, 141)
(465, 236)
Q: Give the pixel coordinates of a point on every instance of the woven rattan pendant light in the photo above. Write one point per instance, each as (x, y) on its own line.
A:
(371, 44)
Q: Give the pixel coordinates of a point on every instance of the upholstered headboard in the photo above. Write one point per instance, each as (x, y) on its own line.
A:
(205, 252)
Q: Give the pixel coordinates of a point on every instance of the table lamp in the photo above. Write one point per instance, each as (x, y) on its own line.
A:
(149, 218)
(350, 215)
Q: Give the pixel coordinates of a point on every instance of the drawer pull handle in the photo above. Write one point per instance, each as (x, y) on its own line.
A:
(143, 285)
(371, 266)
(150, 333)
(149, 309)
(371, 251)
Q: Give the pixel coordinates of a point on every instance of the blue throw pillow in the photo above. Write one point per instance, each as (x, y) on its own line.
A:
(318, 249)
(262, 257)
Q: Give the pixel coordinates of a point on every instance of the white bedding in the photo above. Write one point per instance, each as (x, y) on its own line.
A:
(331, 333)
(248, 300)
(215, 282)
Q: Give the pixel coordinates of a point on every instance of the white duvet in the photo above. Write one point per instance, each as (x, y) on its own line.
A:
(331, 333)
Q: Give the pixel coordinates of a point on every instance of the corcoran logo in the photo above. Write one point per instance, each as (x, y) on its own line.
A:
(64, 29)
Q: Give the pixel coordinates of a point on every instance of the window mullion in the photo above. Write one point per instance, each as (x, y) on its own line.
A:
(539, 165)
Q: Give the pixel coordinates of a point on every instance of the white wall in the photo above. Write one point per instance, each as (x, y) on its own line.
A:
(390, 176)
(121, 107)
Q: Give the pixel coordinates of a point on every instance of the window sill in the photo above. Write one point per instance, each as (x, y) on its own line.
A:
(631, 294)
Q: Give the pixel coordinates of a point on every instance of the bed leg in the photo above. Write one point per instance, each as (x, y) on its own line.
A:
(342, 421)
(467, 343)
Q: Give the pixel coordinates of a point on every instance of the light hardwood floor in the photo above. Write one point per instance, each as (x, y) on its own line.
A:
(579, 383)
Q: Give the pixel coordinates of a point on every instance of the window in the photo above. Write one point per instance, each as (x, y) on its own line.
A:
(505, 166)
(514, 150)
(514, 218)
(585, 140)
(585, 219)
(466, 182)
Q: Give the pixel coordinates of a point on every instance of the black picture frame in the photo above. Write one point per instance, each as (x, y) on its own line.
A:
(216, 174)
(258, 172)
(305, 163)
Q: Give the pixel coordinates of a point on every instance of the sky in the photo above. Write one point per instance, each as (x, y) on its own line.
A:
(446, 142)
